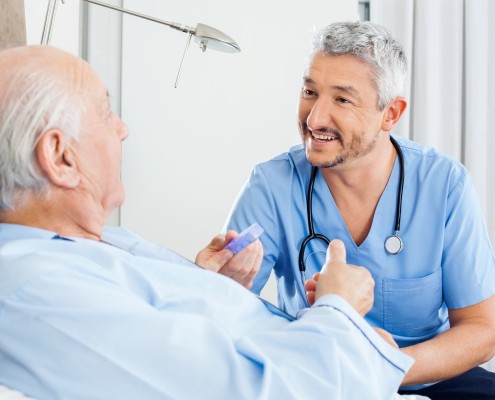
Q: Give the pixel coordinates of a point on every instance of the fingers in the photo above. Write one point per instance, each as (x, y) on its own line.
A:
(336, 252)
(310, 287)
(213, 260)
(213, 256)
(310, 284)
(311, 297)
(244, 266)
(229, 236)
(220, 241)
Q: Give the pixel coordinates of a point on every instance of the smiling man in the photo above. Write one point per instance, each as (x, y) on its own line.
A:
(406, 213)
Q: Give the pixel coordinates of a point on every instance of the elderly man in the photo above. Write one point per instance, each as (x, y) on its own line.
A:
(94, 313)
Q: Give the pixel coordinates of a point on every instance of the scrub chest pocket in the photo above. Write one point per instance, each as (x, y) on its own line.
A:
(411, 306)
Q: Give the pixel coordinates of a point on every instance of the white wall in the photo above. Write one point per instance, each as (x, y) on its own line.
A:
(191, 148)
(65, 33)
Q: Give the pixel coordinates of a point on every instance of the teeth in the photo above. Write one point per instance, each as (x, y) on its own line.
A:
(324, 137)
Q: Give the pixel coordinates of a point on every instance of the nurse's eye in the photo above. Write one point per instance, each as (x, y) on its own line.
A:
(307, 93)
(343, 100)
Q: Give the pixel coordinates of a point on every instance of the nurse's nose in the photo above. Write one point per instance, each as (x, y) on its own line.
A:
(319, 118)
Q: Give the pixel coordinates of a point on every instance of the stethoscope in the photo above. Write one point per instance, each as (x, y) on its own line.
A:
(393, 243)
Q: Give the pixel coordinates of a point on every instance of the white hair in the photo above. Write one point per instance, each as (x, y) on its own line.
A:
(33, 100)
(375, 46)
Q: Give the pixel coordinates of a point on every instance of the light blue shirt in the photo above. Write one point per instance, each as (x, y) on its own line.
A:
(81, 319)
(447, 260)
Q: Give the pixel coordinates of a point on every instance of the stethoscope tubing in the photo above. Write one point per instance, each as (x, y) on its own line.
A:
(393, 244)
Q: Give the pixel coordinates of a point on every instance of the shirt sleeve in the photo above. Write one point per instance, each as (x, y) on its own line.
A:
(468, 260)
(127, 348)
(255, 203)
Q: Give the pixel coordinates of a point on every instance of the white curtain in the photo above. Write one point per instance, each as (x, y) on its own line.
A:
(450, 45)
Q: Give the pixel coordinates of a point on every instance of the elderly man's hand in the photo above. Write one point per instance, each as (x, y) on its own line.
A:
(242, 267)
(353, 283)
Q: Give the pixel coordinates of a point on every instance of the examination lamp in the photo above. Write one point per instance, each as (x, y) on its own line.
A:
(205, 35)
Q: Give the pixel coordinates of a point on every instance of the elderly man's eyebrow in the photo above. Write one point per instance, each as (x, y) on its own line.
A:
(108, 99)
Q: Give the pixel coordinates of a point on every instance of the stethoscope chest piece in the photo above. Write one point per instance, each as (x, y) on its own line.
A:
(393, 244)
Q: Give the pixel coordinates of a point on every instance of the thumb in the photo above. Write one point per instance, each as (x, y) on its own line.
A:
(218, 242)
(336, 253)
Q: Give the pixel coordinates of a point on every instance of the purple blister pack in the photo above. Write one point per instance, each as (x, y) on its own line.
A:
(245, 238)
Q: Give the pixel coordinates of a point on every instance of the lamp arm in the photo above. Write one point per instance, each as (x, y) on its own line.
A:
(205, 35)
(179, 27)
(50, 15)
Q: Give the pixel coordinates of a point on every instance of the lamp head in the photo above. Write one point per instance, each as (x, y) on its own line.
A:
(209, 37)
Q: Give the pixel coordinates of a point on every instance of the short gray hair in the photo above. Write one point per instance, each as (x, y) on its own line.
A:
(32, 101)
(372, 44)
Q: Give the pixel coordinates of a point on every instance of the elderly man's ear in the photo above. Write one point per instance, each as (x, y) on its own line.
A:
(57, 159)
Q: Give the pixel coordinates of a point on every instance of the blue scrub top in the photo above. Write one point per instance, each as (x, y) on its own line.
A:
(447, 260)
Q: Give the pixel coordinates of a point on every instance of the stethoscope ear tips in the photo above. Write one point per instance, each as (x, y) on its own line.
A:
(393, 244)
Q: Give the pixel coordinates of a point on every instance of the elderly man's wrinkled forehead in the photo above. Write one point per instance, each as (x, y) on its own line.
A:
(69, 70)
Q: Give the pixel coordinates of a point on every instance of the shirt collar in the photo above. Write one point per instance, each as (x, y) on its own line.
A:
(14, 231)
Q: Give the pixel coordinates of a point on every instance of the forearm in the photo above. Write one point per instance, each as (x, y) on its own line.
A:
(451, 353)
(364, 365)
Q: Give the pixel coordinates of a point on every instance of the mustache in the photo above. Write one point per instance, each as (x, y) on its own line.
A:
(324, 130)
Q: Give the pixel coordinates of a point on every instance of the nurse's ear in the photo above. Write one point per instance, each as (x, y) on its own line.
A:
(392, 113)
(57, 160)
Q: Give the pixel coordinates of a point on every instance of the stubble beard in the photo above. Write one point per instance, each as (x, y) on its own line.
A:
(353, 152)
